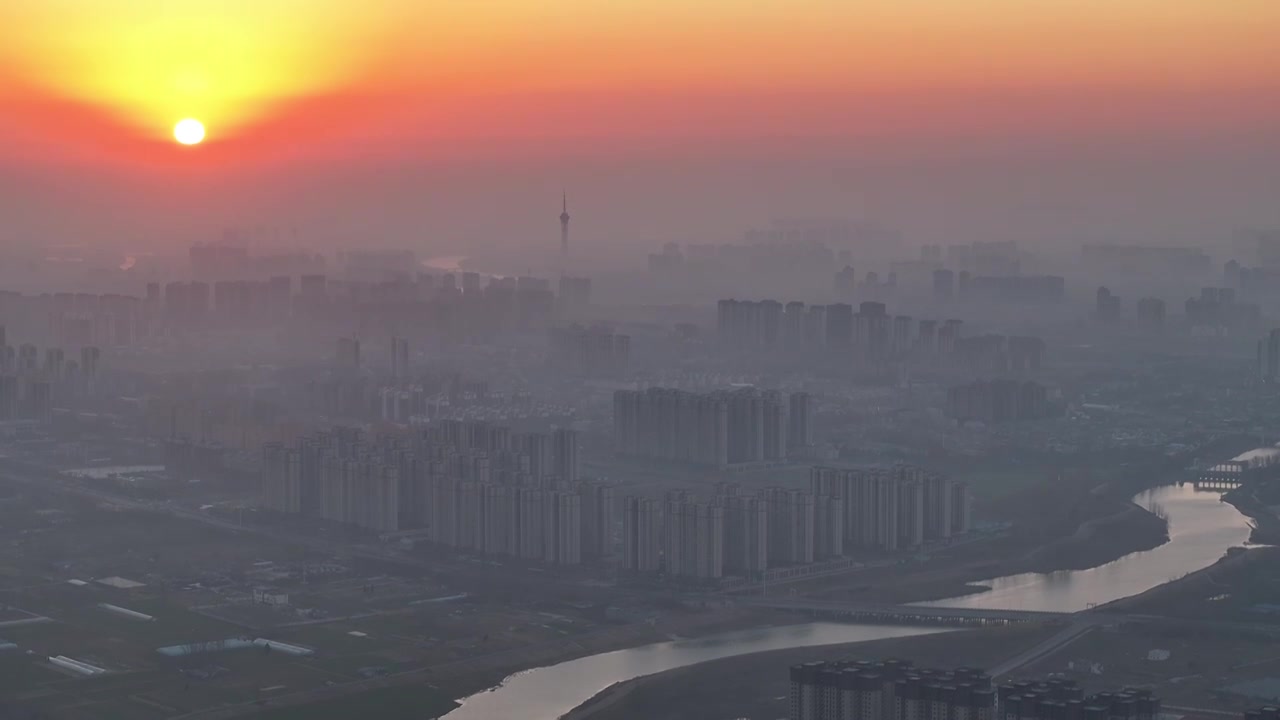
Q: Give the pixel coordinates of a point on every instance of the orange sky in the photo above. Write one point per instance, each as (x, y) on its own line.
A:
(94, 81)
(410, 121)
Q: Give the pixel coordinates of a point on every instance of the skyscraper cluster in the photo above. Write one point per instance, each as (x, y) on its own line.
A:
(891, 508)
(693, 542)
(768, 324)
(745, 534)
(888, 690)
(384, 291)
(713, 429)
(71, 320)
(742, 533)
(29, 385)
(472, 485)
(869, 333)
(591, 352)
(999, 401)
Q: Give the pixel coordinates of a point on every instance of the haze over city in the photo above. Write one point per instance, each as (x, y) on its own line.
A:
(436, 125)
(702, 360)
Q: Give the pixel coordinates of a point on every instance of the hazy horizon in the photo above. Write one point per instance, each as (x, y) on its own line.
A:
(454, 127)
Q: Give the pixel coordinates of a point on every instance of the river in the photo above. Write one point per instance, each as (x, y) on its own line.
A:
(549, 692)
(1201, 528)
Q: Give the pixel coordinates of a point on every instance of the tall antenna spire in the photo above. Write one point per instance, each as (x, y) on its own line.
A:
(564, 230)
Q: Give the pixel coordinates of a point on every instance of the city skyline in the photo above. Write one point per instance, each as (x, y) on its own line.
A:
(1130, 119)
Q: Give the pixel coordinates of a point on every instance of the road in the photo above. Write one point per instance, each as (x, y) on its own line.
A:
(1079, 627)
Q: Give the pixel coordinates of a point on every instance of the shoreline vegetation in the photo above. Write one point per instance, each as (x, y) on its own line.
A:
(1115, 526)
(757, 682)
(1102, 526)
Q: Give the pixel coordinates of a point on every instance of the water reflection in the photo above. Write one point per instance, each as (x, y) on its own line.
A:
(547, 693)
(1201, 528)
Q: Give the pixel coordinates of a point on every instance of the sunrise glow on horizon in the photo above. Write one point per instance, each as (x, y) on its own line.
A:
(402, 70)
(189, 132)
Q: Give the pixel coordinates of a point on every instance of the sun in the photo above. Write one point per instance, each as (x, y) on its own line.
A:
(189, 132)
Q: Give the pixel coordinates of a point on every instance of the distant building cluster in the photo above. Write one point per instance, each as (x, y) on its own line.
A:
(714, 429)
(1060, 699)
(423, 396)
(869, 333)
(795, 327)
(1253, 282)
(1216, 308)
(745, 534)
(1162, 260)
(1219, 307)
(471, 485)
(995, 401)
(1269, 357)
(889, 690)
(1107, 307)
(80, 319)
(1151, 312)
(30, 384)
(590, 352)
(903, 506)
(897, 690)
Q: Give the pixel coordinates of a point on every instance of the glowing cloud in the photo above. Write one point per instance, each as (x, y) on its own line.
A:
(153, 63)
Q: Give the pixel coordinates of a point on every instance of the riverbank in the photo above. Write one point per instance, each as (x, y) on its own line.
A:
(1211, 581)
(1251, 503)
(1098, 541)
(463, 678)
(466, 678)
(756, 685)
(1112, 530)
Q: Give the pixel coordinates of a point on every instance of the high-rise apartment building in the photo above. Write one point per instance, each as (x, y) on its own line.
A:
(1062, 699)
(641, 535)
(893, 508)
(399, 358)
(1151, 312)
(791, 526)
(1269, 357)
(799, 421)
(599, 515)
(746, 528)
(1107, 306)
(466, 483)
(564, 455)
(998, 401)
(715, 429)
(888, 690)
(348, 353)
(694, 538)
